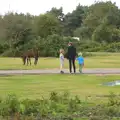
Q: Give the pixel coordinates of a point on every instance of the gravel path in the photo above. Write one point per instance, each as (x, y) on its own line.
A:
(56, 71)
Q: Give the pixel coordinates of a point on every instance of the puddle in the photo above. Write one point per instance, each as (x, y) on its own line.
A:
(113, 83)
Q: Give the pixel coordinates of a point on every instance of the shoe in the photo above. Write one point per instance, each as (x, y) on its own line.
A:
(61, 72)
(80, 71)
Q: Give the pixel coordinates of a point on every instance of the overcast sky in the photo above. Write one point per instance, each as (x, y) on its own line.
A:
(36, 7)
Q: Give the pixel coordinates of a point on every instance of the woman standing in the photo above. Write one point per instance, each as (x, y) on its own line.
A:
(71, 55)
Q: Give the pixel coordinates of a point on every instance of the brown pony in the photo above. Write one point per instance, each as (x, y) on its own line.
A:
(27, 55)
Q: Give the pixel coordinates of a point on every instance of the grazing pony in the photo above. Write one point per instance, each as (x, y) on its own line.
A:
(27, 55)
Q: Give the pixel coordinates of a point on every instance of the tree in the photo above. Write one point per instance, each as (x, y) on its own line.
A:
(98, 21)
(16, 28)
(105, 33)
(74, 20)
(97, 12)
(83, 32)
(58, 13)
(47, 24)
(102, 34)
(48, 32)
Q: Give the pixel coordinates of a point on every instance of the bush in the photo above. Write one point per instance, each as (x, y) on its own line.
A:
(50, 46)
(8, 53)
(113, 47)
(58, 107)
(89, 46)
(3, 47)
(95, 49)
(87, 54)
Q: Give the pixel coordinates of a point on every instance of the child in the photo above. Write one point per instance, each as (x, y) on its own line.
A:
(80, 60)
(61, 60)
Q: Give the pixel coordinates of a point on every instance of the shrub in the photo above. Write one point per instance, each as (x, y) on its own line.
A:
(113, 47)
(86, 54)
(58, 107)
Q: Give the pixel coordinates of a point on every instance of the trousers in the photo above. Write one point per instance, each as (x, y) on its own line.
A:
(80, 68)
(72, 63)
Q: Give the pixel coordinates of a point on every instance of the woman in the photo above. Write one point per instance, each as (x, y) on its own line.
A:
(71, 55)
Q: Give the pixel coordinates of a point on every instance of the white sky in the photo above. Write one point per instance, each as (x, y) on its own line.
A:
(37, 7)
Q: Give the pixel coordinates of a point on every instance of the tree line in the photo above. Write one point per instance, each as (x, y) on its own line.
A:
(97, 26)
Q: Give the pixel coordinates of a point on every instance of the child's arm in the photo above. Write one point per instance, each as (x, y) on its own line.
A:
(62, 57)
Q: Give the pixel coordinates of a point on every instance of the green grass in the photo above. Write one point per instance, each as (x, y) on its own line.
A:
(35, 86)
(100, 61)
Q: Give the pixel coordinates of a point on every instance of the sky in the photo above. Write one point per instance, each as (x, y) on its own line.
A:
(36, 7)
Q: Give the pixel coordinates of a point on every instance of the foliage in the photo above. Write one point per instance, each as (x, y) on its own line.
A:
(47, 24)
(58, 107)
(97, 26)
(74, 20)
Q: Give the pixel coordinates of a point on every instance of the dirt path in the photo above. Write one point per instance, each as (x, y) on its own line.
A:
(56, 71)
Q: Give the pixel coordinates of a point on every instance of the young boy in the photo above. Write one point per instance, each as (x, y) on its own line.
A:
(80, 60)
(61, 60)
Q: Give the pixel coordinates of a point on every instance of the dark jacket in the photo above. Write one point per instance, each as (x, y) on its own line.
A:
(71, 53)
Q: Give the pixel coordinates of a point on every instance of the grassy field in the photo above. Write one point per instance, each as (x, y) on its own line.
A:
(35, 86)
(97, 61)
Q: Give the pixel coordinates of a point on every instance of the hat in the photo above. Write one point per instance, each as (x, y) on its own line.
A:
(80, 54)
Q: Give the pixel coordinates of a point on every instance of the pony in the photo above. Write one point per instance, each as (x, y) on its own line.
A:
(27, 55)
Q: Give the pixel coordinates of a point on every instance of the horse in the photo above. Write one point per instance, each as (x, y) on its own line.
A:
(27, 55)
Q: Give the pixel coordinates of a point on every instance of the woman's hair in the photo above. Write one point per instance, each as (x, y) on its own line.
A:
(70, 43)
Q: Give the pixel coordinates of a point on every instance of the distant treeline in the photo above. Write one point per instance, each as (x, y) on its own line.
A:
(97, 26)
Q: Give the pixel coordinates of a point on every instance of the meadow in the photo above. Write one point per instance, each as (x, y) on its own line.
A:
(37, 93)
(59, 97)
(98, 60)
(36, 86)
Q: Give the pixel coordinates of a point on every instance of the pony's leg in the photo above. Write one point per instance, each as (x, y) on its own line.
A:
(36, 60)
(27, 61)
(30, 60)
(24, 60)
